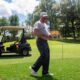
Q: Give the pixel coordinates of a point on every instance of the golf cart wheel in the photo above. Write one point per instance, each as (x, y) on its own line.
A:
(25, 53)
(0, 53)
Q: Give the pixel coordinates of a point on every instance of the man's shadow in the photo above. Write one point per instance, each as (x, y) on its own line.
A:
(48, 77)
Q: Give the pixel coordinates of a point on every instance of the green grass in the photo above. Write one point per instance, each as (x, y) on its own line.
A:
(64, 63)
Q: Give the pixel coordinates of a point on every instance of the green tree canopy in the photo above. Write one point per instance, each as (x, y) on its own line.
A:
(4, 21)
(14, 20)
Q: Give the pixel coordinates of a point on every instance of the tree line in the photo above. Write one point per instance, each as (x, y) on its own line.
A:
(11, 21)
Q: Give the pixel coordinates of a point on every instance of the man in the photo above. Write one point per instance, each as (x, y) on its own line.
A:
(42, 33)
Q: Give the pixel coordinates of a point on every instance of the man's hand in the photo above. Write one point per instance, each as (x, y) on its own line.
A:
(46, 37)
(38, 33)
(50, 36)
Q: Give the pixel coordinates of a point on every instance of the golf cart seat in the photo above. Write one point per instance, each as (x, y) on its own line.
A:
(12, 48)
(1, 45)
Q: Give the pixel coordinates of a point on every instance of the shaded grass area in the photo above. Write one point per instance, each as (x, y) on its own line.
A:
(64, 63)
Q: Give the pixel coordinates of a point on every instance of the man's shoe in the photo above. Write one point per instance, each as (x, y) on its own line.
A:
(49, 74)
(33, 73)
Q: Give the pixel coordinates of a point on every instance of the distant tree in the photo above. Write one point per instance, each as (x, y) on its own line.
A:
(14, 20)
(78, 19)
(69, 15)
(29, 19)
(36, 14)
(4, 21)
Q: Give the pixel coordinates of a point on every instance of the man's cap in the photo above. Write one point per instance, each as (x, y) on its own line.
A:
(43, 14)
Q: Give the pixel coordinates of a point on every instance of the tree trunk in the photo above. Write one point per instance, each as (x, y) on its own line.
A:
(73, 29)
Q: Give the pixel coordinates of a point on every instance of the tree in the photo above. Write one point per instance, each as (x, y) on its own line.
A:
(78, 19)
(14, 20)
(4, 21)
(69, 16)
(36, 14)
(29, 19)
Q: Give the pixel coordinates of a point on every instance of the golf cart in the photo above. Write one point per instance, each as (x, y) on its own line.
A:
(20, 47)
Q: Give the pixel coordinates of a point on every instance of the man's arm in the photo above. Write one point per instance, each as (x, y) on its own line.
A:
(38, 33)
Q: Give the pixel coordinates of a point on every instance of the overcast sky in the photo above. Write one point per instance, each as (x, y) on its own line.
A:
(7, 7)
(19, 7)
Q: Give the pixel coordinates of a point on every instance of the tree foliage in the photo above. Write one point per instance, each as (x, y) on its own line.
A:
(70, 17)
(14, 20)
(29, 19)
(4, 21)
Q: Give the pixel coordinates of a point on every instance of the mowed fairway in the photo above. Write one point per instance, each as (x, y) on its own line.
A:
(64, 63)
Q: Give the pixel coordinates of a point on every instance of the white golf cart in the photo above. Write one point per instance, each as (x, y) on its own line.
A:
(20, 47)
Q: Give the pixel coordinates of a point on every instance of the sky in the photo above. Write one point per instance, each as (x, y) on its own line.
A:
(19, 7)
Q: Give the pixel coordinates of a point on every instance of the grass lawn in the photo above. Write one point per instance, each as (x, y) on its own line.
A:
(64, 63)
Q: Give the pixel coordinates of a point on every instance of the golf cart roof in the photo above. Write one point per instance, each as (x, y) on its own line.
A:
(11, 28)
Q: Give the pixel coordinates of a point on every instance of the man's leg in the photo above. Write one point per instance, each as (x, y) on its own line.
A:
(39, 61)
(37, 64)
(45, 65)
